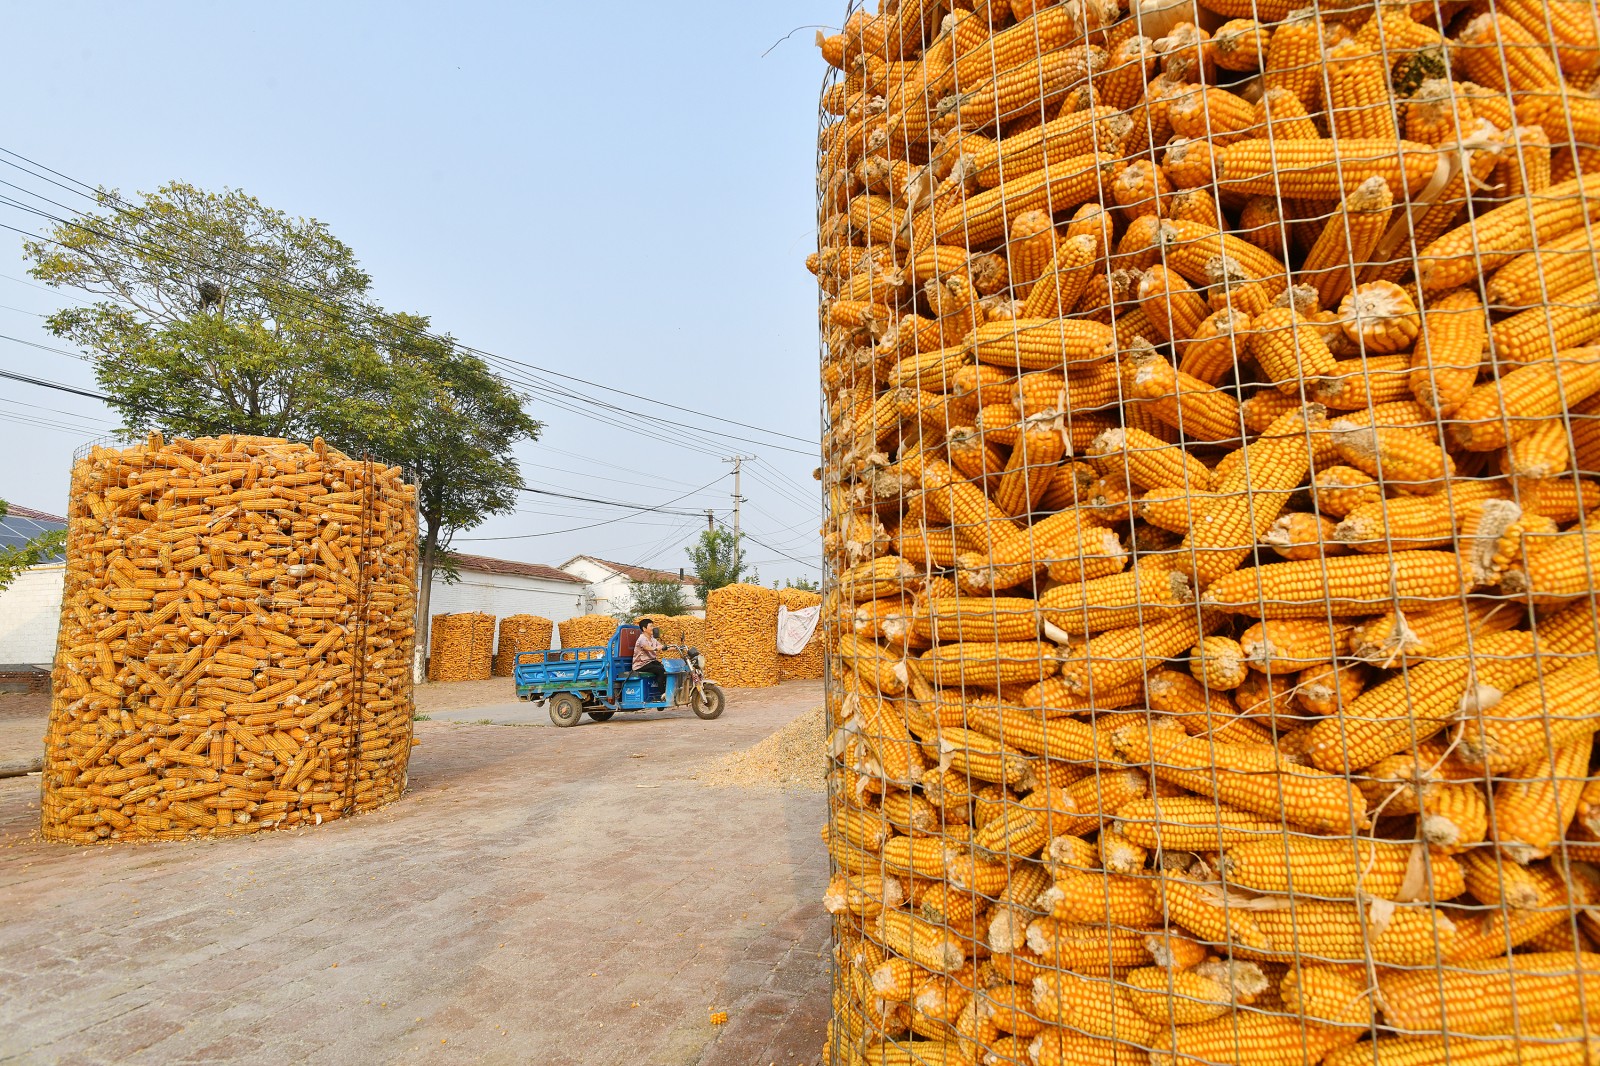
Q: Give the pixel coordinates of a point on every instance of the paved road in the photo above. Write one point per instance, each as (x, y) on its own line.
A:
(539, 895)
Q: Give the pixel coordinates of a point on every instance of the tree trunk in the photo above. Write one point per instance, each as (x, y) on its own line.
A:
(430, 554)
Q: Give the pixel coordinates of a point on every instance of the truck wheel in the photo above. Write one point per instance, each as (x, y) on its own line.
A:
(711, 706)
(601, 716)
(565, 709)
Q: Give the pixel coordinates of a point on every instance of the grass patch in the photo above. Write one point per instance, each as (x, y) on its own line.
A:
(422, 718)
(484, 721)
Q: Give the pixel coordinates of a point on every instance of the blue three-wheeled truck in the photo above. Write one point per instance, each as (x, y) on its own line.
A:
(601, 681)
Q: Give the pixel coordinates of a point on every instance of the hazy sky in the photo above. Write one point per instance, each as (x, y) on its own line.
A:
(621, 192)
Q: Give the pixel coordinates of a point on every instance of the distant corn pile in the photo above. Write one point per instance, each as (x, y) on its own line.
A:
(519, 633)
(587, 630)
(742, 632)
(684, 629)
(235, 643)
(461, 647)
(806, 666)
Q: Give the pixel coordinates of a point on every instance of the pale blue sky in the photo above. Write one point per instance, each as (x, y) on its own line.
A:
(621, 192)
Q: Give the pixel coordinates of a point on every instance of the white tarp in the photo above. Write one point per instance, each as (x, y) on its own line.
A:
(795, 628)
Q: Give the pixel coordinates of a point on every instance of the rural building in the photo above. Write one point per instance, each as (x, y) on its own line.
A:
(501, 587)
(612, 582)
(30, 610)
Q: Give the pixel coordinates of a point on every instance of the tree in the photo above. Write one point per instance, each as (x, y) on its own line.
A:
(422, 402)
(718, 560)
(14, 560)
(658, 599)
(215, 314)
(804, 584)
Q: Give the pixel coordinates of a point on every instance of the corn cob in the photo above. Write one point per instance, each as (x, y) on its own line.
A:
(1314, 170)
(1251, 777)
(1339, 869)
(1480, 997)
(1499, 236)
(1537, 1048)
(1341, 586)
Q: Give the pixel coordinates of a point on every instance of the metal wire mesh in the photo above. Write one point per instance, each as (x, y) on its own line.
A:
(235, 641)
(1211, 440)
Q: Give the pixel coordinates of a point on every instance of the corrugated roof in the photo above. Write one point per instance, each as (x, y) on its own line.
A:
(637, 573)
(482, 564)
(22, 524)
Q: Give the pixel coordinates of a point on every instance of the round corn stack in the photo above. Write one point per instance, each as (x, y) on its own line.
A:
(1212, 457)
(518, 633)
(236, 637)
(807, 665)
(676, 629)
(461, 648)
(742, 636)
(586, 630)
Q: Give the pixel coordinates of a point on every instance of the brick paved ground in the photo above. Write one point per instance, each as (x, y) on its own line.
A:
(538, 896)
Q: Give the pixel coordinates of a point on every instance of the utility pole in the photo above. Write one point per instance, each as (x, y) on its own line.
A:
(711, 520)
(737, 461)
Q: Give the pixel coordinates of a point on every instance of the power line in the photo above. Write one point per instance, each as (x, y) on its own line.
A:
(44, 347)
(613, 503)
(43, 384)
(770, 548)
(593, 525)
(102, 195)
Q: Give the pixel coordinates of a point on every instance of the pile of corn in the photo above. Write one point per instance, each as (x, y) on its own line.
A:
(587, 630)
(806, 666)
(235, 643)
(742, 636)
(461, 647)
(679, 629)
(1211, 455)
(518, 633)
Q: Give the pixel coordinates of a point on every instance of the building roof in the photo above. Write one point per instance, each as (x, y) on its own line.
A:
(482, 564)
(22, 524)
(636, 573)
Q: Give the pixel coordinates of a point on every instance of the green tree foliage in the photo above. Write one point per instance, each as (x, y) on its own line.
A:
(718, 560)
(15, 560)
(659, 599)
(214, 313)
(804, 584)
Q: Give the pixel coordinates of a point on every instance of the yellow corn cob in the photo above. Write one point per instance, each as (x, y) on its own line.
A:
(1348, 933)
(1042, 344)
(986, 664)
(1525, 168)
(1302, 536)
(1360, 103)
(1216, 346)
(1291, 644)
(1261, 222)
(1289, 349)
(1380, 317)
(1534, 805)
(983, 217)
(1115, 601)
(1281, 116)
(1500, 54)
(1149, 463)
(1337, 869)
(1453, 816)
(1330, 689)
(1062, 284)
(1178, 997)
(1212, 114)
(1566, 322)
(885, 576)
(1211, 914)
(925, 944)
(1111, 659)
(1501, 411)
(1343, 586)
(1192, 246)
(1249, 500)
(1330, 996)
(1494, 996)
(1564, 1049)
(1449, 350)
(1102, 897)
(1253, 777)
(1190, 823)
(1364, 382)
(1090, 1007)
(1194, 408)
(1499, 236)
(1172, 305)
(1418, 704)
(1535, 277)
(1399, 458)
(1294, 55)
(1419, 522)
(1239, 44)
(1029, 470)
(877, 667)
(986, 619)
(1218, 663)
(1315, 170)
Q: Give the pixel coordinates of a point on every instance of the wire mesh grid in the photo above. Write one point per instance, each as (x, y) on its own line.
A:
(235, 645)
(1210, 450)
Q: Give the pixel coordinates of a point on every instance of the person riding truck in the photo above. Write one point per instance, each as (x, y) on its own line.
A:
(647, 652)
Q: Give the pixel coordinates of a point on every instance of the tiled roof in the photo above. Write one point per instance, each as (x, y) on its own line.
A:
(28, 512)
(642, 573)
(22, 524)
(482, 564)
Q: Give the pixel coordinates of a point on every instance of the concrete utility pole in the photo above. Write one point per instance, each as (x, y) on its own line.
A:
(737, 461)
(711, 520)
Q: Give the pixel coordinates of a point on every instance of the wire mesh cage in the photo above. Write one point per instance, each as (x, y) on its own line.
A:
(519, 633)
(462, 647)
(235, 643)
(1211, 453)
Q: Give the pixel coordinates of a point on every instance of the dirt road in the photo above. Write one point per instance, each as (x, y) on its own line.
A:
(560, 896)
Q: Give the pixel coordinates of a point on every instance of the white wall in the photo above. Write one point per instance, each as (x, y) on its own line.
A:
(610, 589)
(30, 613)
(503, 594)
